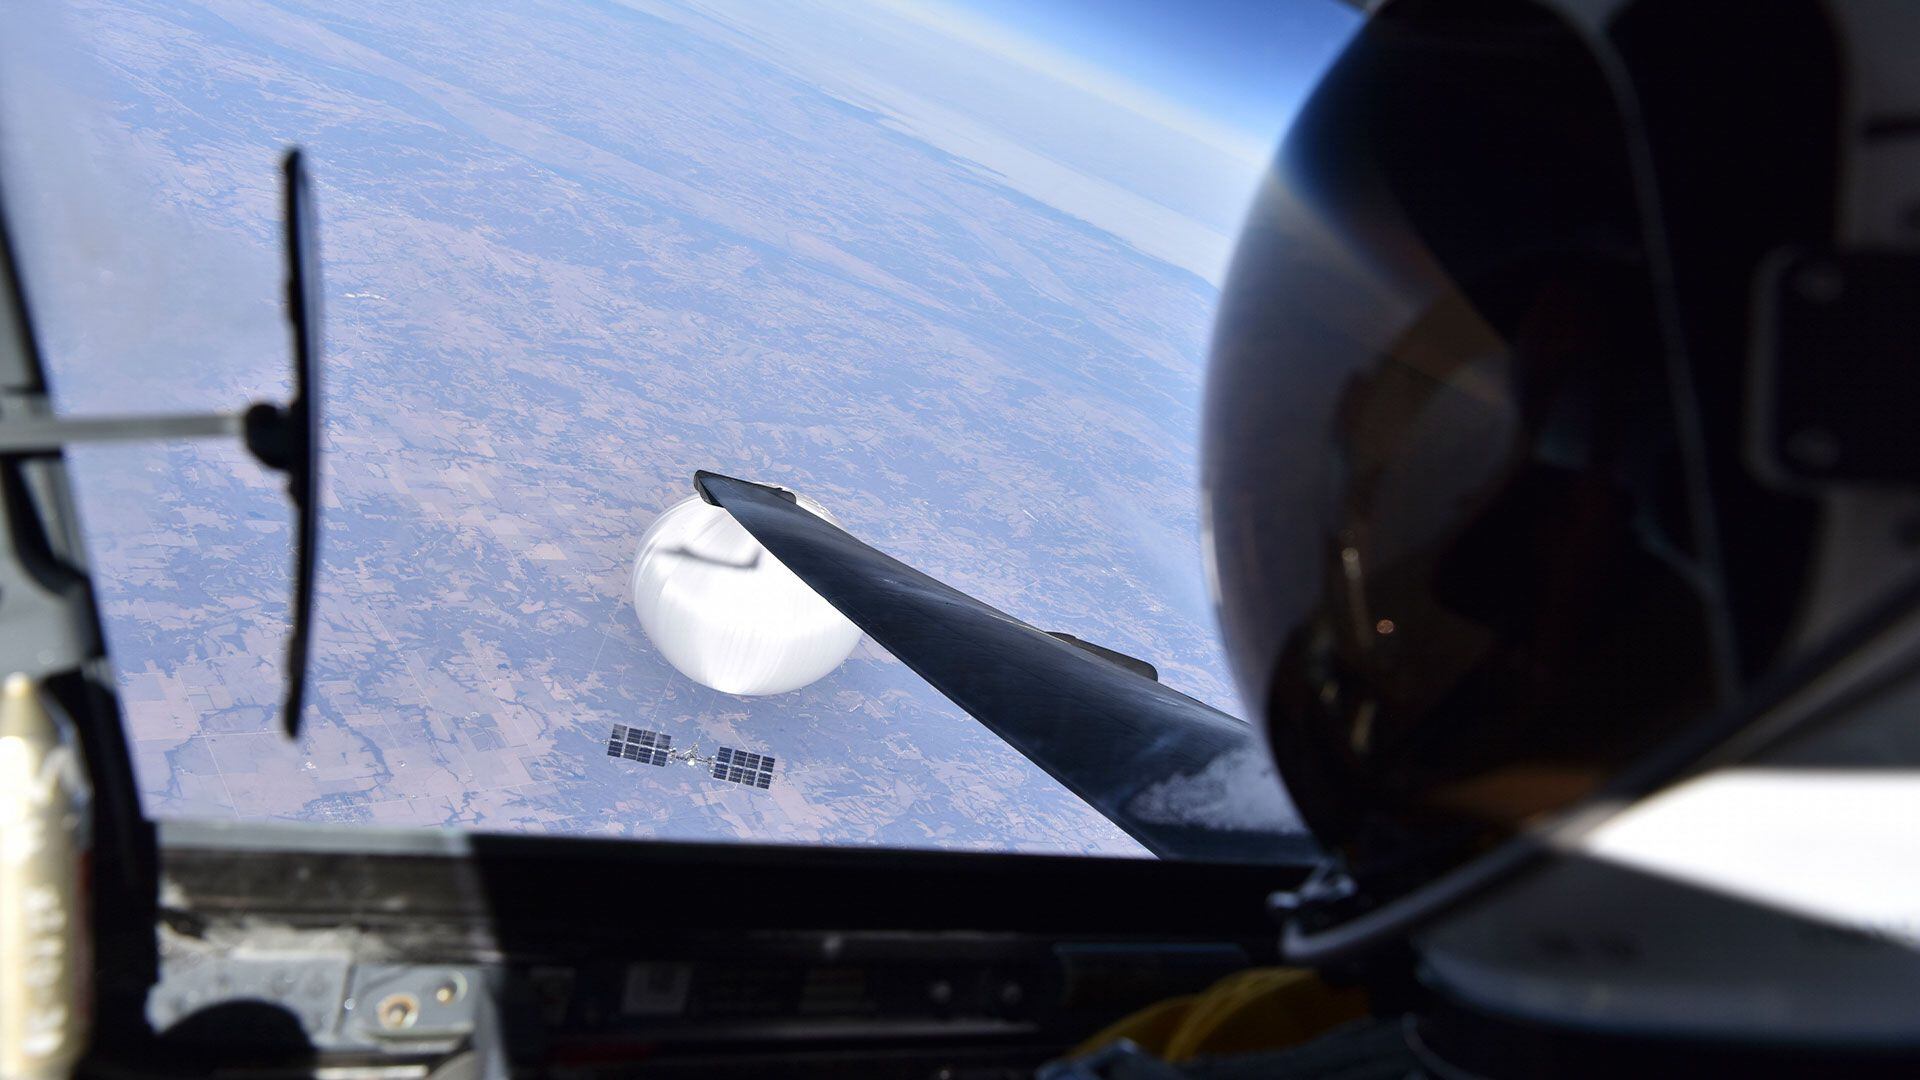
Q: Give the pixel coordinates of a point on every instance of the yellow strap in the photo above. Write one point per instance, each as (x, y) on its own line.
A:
(1151, 1028)
(1258, 1009)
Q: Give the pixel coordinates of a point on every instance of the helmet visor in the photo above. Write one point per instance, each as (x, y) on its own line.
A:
(1445, 492)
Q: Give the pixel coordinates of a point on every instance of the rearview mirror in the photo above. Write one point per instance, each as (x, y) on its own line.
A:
(283, 437)
(287, 437)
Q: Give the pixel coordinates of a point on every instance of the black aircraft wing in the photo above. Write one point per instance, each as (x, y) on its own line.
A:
(1169, 770)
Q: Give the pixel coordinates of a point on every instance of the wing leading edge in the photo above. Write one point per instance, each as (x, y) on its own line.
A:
(1166, 768)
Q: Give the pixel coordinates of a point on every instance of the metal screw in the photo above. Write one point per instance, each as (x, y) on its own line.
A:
(398, 1011)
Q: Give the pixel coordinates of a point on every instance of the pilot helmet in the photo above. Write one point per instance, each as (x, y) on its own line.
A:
(1559, 419)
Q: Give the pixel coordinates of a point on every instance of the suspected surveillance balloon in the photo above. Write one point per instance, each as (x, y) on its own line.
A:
(726, 613)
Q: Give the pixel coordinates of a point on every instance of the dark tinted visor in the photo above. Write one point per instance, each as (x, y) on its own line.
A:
(1445, 488)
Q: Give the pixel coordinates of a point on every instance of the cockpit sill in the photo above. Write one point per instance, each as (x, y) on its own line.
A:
(325, 947)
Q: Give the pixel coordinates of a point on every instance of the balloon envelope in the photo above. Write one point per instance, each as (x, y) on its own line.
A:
(726, 613)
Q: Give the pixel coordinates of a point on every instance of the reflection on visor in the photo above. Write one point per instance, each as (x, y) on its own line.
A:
(1442, 470)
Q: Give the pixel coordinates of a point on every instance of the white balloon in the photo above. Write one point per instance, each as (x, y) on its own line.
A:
(726, 613)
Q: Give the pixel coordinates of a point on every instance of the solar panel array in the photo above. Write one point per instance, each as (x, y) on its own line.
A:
(638, 744)
(753, 770)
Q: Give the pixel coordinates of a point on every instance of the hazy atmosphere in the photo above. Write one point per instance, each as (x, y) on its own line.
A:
(923, 264)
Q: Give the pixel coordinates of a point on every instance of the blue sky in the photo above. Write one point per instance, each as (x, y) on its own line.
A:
(1246, 64)
(1153, 128)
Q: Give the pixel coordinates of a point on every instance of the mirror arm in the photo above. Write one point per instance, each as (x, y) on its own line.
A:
(49, 434)
(266, 429)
